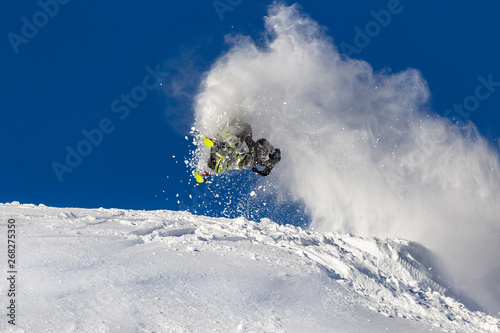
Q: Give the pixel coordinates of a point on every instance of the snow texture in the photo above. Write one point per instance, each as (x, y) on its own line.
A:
(112, 270)
(362, 148)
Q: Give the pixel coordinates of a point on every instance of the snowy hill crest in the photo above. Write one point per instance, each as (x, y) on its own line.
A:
(118, 270)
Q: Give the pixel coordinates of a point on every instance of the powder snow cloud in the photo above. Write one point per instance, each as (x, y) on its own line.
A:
(361, 148)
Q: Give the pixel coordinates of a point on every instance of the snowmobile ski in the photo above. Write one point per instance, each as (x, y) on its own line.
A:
(208, 142)
(200, 178)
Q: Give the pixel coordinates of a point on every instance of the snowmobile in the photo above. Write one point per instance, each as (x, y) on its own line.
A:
(228, 152)
(225, 155)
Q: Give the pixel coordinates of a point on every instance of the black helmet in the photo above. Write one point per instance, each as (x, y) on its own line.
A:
(275, 154)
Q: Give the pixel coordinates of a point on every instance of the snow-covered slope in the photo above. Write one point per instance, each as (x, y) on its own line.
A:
(111, 270)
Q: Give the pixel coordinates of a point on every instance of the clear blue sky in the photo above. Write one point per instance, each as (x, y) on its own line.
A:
(73, 72)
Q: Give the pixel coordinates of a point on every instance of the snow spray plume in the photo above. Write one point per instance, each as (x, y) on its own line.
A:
(358, 147)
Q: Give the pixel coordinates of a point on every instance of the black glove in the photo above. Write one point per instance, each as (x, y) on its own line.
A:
(263, 173)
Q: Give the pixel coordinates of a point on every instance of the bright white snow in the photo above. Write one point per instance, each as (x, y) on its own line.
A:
(362, 148)
(112, 270)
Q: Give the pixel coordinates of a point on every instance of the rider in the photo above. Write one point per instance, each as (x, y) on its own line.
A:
(262, 156)
(265, 157)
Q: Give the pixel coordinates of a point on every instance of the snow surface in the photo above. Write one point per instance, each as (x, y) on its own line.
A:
(363, 149)
(112, 270)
